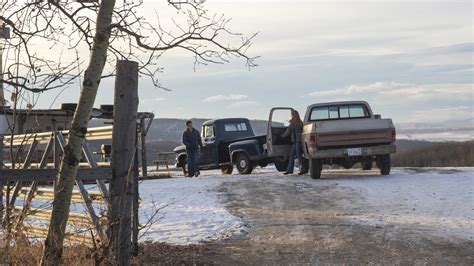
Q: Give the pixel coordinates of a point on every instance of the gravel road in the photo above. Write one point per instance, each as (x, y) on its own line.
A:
(393, 220)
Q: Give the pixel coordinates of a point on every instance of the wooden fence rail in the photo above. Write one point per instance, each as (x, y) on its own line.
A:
(26, 178)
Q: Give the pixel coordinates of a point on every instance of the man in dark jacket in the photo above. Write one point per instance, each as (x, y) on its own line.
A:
(192, 141)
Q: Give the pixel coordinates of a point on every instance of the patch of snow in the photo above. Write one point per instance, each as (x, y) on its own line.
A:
(438, 199)
(190, 210)
(438, 136)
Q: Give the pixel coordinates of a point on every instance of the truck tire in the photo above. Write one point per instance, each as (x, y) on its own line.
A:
(281, 166)
(384, 164)
(227, 170)
(184, 167)
(367, 166)
(243, 163)
(315, 168)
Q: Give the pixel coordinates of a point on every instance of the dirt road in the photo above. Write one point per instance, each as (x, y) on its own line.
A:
(293, 221)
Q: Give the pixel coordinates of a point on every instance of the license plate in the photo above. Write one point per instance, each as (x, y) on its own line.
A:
(354, 152)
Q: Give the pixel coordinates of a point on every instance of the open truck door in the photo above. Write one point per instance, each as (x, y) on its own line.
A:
(278, 147)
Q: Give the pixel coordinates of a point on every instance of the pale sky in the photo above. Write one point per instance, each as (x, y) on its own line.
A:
(412, 61)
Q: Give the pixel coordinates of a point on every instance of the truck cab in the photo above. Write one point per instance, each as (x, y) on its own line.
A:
(216, 136)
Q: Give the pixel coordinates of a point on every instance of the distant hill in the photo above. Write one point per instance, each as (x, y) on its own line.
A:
(171, 129)
(452, 130)
(165, 135)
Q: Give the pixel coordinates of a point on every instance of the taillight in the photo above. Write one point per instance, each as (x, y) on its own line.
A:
(393, 133)
(313, 138)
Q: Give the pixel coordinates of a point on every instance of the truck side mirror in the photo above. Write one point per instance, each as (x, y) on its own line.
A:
(377, 116)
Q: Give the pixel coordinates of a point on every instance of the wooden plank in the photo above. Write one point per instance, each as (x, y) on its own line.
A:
(71, 238)
(49, 175)
(93, 164)
(85, 195)
(135, 204)
(95, 133)
(143, 144)
(19, 183)
(2, 179)
(31, 193)
(90, 209)
(50, 191)
(45, 215)
(48, 194)
(51, 165)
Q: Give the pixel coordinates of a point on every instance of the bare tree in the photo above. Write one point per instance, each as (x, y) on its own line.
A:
(109, 31)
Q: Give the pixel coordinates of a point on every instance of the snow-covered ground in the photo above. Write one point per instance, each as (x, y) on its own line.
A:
(189, 210)
(465, 135)
(440, 200)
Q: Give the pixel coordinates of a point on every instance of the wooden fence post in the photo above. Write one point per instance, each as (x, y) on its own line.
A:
(143, 144)
(122, 161)
(2, 179)
(135, 204)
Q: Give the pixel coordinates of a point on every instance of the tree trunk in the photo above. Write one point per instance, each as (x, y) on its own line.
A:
(72, 153)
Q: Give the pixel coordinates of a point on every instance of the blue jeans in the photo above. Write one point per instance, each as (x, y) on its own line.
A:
(193, 161)
(295, 153)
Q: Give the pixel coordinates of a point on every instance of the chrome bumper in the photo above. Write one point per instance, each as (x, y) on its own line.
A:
(342, 152)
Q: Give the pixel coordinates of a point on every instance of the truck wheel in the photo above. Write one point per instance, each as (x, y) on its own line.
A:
(281, 166)
(227, 170)
(384, 163)
(185, 169)
(315, 168)
(243, 163)
(367, 166)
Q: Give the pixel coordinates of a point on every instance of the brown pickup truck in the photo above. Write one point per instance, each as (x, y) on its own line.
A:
(346, 133)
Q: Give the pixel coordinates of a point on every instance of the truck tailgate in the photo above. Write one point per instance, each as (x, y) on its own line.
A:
(353, 132)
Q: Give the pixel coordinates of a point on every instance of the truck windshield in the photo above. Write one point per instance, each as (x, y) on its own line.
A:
(208, 131)
(339, 112)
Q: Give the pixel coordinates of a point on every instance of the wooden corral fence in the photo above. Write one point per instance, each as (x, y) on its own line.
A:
(31, 180)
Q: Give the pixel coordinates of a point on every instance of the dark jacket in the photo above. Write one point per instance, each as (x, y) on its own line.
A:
(294, 130)
(192, 140)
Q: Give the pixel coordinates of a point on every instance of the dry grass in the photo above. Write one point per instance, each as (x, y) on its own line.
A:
(30, 254)
(150, 254)
(447, 154)
(164, 254)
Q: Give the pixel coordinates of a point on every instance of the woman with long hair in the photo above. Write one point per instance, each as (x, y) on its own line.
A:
(294, 130)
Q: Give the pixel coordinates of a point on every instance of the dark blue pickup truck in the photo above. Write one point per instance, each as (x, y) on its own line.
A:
(232, 141)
